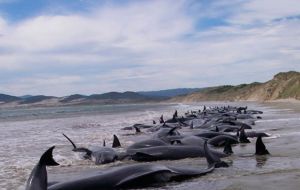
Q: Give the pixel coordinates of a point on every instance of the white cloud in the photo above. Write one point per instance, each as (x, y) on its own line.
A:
(264, 11)
(148, 45)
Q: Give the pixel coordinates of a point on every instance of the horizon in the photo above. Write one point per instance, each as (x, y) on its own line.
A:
(59, 48)
(99, 93)
(141, 91)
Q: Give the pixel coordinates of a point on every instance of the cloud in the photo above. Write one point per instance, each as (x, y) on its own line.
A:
(264, 11)
(148, 45)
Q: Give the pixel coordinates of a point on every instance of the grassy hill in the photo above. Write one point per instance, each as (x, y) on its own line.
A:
(7, 98)
(284, 85)
(170, 92)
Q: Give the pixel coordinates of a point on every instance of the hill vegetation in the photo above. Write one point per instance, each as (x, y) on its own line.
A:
(284, 85)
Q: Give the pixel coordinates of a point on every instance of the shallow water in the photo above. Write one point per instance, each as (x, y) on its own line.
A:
(27, 133)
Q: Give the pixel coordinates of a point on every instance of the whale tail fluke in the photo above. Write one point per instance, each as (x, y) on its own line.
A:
(116, 142)
(47, 158)
(38, 177)
(213, 160)
(260, 148)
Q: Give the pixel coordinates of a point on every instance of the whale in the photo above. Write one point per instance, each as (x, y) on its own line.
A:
(221, 140)
(194, 140)
(125, 177)
(147, 143)
(170, 152)
(100, 155)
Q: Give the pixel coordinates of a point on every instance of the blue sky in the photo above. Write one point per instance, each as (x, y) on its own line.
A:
(61, 47)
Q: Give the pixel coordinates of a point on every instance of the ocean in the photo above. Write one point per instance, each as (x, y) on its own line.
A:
(25, 133)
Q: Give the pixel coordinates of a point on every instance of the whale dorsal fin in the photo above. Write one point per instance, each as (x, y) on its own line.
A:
(217, 129)
(213, 160)
(137, 130)
(260, 148)
(227, 148)
(104, 143)
(243, 138)
(192, 125)
(172, 130)
(116, 142)
(161, 119)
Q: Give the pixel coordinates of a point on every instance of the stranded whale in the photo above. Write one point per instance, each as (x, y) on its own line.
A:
(123, 177)
(101, 155)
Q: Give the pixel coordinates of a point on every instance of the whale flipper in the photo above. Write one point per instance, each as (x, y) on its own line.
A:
(74, 146)
(260, 148)
(80, 149)
(116, 142)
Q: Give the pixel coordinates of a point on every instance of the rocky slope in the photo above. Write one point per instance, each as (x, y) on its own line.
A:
(285, 85)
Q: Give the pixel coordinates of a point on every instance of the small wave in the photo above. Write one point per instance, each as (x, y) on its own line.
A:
(280, 120)
(294, 133)
(274, 136)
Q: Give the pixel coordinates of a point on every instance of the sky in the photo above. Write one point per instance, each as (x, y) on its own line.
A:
(63, 47)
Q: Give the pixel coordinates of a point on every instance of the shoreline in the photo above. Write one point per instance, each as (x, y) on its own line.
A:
(50, 104)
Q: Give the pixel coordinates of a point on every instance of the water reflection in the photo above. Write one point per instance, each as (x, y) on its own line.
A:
(261, 160)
